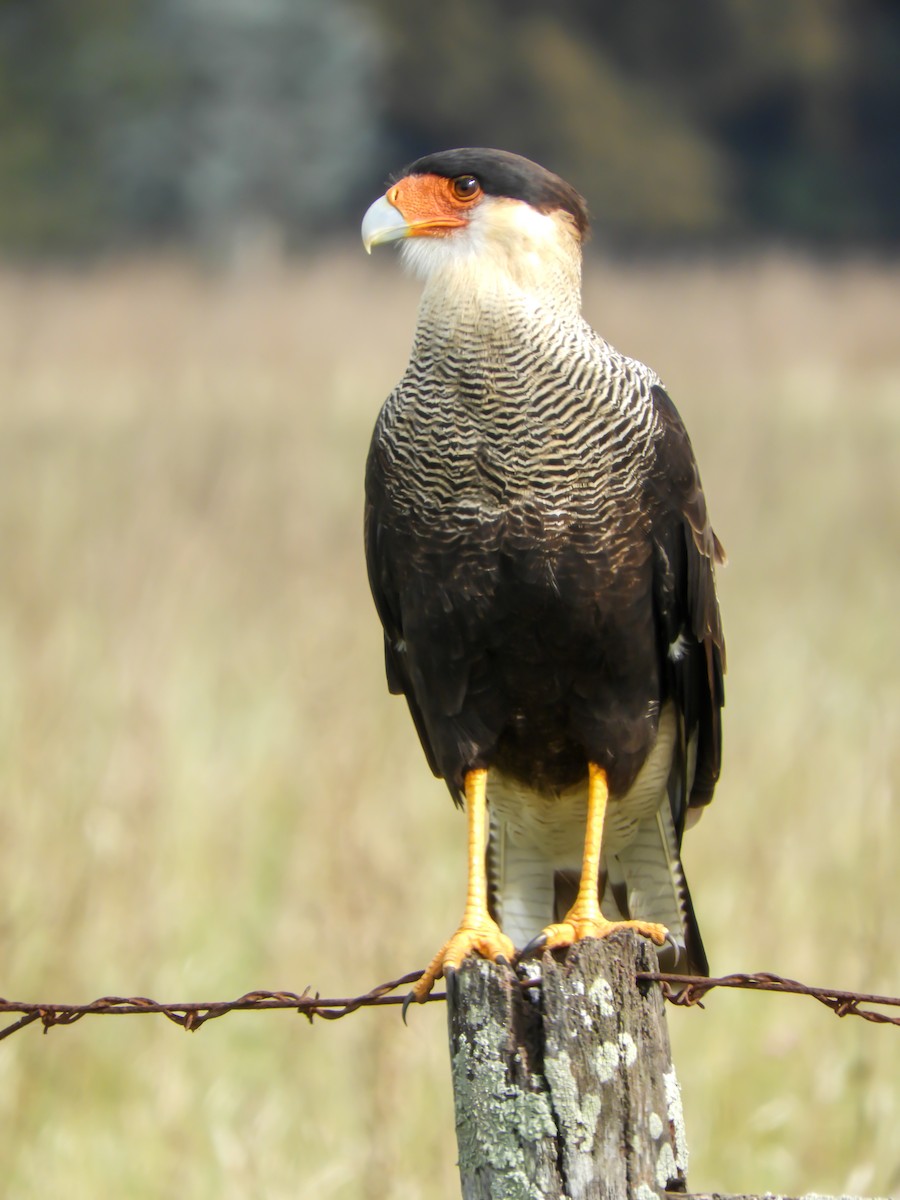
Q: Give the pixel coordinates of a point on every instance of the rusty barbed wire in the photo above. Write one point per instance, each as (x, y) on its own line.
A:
(191, 1015)
(682, 990)
(689, 990)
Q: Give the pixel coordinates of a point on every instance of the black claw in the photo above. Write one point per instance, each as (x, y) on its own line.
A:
(536, 944)
(672, 943)
(407, 1001)
(677, 951)
(502, 960)
(450, 978)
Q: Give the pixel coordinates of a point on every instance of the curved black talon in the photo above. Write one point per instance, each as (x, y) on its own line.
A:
(407, 1001)
(678, 953)
(536, 944)
(450, 983)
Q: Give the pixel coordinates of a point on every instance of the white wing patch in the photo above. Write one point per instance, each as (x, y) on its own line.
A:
(678, 648)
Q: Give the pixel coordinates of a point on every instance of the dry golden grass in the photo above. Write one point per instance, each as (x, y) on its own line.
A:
(205, 787)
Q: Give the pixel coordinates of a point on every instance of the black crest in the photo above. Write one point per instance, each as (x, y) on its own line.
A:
(501, 173)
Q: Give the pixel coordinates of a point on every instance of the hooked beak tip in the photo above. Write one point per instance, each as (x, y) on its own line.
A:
(383, 223)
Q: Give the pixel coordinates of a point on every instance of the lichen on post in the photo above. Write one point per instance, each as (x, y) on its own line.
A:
(565, 1089)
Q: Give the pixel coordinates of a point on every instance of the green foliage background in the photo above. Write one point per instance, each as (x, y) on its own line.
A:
(125, 123)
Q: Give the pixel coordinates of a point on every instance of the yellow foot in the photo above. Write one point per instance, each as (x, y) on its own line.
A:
(574, 928)
(484, 938)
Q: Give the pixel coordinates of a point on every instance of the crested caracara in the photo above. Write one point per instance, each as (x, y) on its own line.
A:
(542, 563)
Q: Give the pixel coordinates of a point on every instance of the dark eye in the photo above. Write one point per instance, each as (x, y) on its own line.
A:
(465, 187)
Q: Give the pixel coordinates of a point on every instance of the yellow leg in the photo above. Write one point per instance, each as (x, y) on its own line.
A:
(478, 932)
(584, 919)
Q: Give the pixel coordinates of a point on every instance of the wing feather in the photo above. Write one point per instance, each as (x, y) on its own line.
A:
(692, 645)
(387, 603)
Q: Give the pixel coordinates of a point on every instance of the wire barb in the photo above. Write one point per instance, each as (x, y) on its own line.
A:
(683, 990)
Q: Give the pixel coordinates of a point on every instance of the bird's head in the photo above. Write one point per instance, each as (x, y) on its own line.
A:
(482, 211)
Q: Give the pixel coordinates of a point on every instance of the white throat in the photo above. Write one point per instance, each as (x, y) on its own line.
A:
(509, 258)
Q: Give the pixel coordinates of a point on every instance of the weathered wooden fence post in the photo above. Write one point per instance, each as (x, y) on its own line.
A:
(566, 1090)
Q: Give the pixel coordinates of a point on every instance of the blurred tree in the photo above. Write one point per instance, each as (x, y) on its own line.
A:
(236, 123)
(518, 76)
(723, 117)
(780, 89)
(49, 184)
(226, 122)
(267, 119)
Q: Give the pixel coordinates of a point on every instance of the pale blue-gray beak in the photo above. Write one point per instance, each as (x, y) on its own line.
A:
(383, 223)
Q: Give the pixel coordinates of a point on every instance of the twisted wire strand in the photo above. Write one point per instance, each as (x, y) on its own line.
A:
(681, 990)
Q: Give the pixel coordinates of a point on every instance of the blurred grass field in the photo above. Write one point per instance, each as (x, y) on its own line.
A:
(205, 788)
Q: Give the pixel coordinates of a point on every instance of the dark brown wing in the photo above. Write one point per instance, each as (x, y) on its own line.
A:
(692, 646)
(387, 603)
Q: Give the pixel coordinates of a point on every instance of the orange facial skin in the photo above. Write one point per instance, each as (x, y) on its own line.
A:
(432, 205)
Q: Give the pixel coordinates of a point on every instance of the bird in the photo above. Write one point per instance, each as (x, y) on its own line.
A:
(543, 565)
